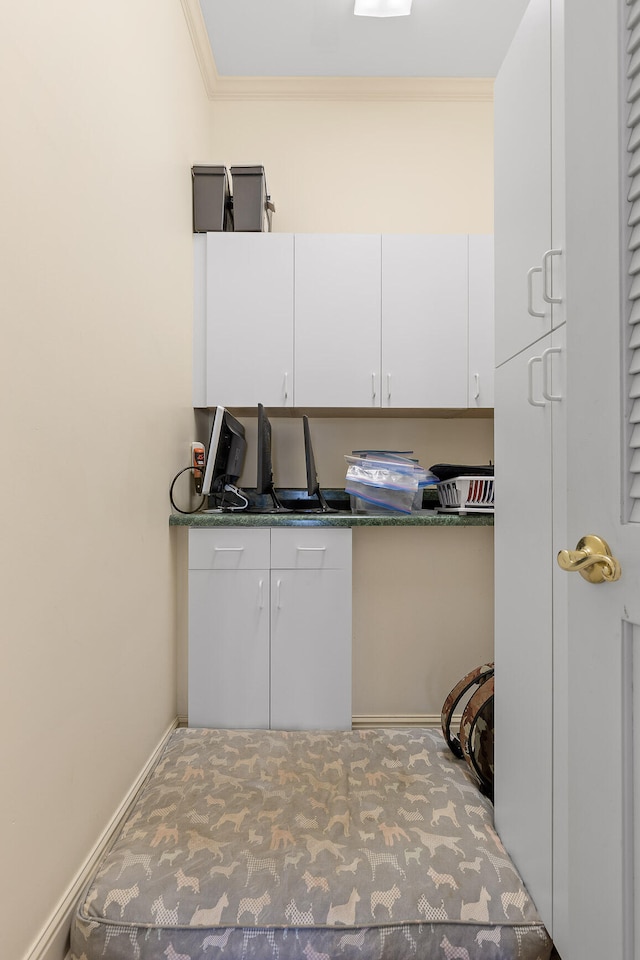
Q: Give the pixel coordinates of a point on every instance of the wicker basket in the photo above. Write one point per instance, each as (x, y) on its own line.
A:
(466, 495)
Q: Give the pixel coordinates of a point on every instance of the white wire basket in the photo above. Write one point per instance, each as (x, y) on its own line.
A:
(466, 495)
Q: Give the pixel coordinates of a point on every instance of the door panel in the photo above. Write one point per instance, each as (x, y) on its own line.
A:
(311, 649)
(523, 182)
(601, 618)
(249, 318)
(229, 648)
(337, 320)
(523, 624)
(424, 320)
(481, 321)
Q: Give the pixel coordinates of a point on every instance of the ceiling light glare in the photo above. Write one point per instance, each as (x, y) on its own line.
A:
(382, 8)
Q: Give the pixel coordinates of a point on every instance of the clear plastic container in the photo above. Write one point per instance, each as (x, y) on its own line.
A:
(384, 484)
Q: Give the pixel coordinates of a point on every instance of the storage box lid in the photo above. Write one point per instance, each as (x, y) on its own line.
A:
(247, 171)
(208, 171)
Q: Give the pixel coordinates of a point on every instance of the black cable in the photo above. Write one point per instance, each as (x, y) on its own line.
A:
(173, 483)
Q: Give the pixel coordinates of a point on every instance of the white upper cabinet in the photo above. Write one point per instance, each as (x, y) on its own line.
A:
(343, 320)
(424, 320)
(481, 325)
(523, 186)
(337, 320)
(249, 319)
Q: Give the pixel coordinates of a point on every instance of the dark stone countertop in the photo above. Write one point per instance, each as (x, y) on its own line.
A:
(343, 517)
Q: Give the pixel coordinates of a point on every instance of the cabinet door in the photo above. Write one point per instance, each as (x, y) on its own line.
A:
(337, 320)
(424, 320)
(229, 648)
(524, 618)
(481, 321)
(229, 627)
(249, 319)
(523, 183)
(311, 629)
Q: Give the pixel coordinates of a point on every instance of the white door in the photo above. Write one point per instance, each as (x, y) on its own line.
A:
(424, 320)
(602, 723)
(229, 586)
(481, 321)
(310, 650)
(523, 620)
(337, 320)
(523, 183)
(249, 310)
(229, 648)
(311, 629)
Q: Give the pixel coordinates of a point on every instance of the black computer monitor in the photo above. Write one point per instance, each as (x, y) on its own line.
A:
(264, 478)
(225, 459)
(313, 485)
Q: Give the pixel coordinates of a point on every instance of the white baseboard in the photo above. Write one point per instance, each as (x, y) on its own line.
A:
(53, 941)
(366, 721)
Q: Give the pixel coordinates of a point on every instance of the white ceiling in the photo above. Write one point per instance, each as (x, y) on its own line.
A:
(323, 38)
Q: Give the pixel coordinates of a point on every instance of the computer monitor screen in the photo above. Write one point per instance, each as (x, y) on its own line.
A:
(309, 460)
(313, 486)
(264, 475)
(225, 458)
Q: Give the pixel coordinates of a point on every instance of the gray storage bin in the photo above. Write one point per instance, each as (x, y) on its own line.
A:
(211, 199)
(252, 207)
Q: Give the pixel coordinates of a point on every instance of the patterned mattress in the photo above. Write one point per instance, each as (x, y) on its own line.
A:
(308, 846)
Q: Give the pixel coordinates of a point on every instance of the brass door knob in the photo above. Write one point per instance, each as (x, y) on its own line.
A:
(592, 559)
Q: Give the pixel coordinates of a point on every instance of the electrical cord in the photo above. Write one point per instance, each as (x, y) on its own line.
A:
(229, 488)
(173, 483)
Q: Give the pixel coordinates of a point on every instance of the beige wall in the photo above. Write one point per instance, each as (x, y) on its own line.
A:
(423, 600)
(366, 167)
(103, 112)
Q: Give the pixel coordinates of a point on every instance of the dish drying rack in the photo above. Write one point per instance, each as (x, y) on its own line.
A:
(466, 495)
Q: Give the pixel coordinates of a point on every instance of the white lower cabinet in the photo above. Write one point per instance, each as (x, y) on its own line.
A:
(528, 426)
(270, 628)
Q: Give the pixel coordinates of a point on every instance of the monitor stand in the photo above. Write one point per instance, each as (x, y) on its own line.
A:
(276, 504)
(324, 506)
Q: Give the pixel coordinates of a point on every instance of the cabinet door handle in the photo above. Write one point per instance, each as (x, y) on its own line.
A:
(546, 276)
(534, 403)
(286, 386)
(312, 549)
(546, 365)
(278, 594)
(530, 310)
(476, 393)
(373, 386)
(228, 549)
(389, 387)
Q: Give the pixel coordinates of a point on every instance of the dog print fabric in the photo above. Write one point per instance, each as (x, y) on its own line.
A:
(308, 846)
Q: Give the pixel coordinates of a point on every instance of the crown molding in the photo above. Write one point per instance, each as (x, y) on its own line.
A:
(201, 45)
(353, 88)
(324, 88)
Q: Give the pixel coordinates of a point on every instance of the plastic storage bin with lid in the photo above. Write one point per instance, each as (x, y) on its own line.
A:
(252, 206)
